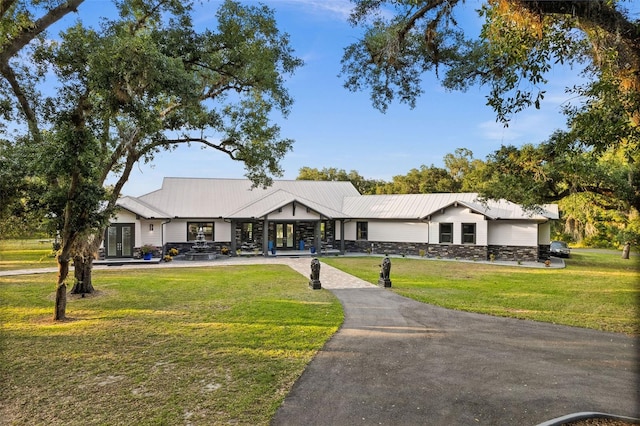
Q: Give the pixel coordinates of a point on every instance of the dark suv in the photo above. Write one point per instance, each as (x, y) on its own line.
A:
(560, 249)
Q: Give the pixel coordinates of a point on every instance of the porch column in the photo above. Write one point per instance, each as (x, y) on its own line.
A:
(316, 237)
(234, 245)
(265, 237)
(341, 236)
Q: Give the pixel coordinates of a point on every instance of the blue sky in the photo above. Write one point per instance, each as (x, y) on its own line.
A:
(333, 127)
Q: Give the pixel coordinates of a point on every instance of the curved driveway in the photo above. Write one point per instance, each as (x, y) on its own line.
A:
(395, 361)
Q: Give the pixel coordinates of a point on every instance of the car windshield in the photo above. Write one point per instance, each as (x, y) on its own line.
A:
(559, 244)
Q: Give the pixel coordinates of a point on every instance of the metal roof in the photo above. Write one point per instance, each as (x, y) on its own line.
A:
(135, 205)
(211, 198)
(235, 198)
(420, 206)
(278, 199)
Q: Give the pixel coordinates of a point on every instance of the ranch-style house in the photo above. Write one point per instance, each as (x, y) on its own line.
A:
(324, 217)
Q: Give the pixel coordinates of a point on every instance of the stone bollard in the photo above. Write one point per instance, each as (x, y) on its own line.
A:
(314, 281)
(385, 271)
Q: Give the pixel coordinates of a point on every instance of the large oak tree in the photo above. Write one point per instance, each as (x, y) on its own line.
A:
(518, 45)
(143, 82)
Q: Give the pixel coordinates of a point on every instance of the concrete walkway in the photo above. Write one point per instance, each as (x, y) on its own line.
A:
(395, 361)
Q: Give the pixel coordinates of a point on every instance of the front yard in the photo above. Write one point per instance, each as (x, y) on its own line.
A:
(595, 290)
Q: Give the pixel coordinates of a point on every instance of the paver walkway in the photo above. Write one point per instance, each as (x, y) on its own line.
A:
(395, 361)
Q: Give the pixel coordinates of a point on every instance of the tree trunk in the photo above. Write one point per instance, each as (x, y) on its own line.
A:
(83, 266)
(84, 252)
(626, 250)
(61, 290)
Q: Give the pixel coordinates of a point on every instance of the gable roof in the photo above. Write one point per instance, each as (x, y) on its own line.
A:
(420, 206)
(210, 198)
(279, 199)
(142, 209)
(236, 199)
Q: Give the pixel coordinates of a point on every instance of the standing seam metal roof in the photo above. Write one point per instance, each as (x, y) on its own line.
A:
(201, 198)
(235, 198)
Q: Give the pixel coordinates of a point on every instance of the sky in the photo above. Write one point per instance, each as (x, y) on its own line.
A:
(333, 127)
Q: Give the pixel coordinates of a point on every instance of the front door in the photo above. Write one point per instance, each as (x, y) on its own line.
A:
(120, 240)
(284, 235)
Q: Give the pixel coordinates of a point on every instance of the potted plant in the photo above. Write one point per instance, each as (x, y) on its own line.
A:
(147, 251)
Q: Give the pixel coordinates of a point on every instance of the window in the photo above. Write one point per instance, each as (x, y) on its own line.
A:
(468, 233)
(247, 231)
(194, 227)
(446, 233)
(362, 230)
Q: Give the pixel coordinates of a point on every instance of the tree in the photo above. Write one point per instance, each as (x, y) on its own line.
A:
(140, 84)
(421, 181)
(519, 42)
(364, 186)
(464, 169)
(597, 192)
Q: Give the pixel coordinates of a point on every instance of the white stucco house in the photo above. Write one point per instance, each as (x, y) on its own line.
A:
(318, 215)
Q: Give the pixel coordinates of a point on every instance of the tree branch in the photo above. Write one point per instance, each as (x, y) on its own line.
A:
(8, 73)
(597, 13)
(5, 5)
(27, 34)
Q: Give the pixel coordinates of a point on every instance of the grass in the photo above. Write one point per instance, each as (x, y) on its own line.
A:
(595, 290)
(25, 254)
(224, 345)
(177, 346)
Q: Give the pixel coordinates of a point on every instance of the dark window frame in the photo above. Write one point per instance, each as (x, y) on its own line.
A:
(247, 233)
(197, 226)
(362, 231)
(444, 235)
(469, 237)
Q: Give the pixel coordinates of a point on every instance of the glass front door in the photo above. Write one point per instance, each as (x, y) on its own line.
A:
(119, 240)
(284, 235)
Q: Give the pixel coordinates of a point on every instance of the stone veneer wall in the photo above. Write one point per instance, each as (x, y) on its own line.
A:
(514, 253)
(185, 247)
(465, 251)
(378, 247)
(544, 251)
(449, 251)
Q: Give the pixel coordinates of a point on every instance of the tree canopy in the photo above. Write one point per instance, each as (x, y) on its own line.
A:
(594, 161)
(140, 83)
(519, 43)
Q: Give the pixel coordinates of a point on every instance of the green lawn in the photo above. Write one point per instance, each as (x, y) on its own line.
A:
(595, 290)
(174, 346)
(224, 345)
(26, 254)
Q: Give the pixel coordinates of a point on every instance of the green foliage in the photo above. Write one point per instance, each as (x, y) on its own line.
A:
(141, 83)
(518, 44)
(364, 186)
(421, 181)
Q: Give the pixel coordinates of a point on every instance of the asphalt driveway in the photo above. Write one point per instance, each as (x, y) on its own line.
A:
(400, 362)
